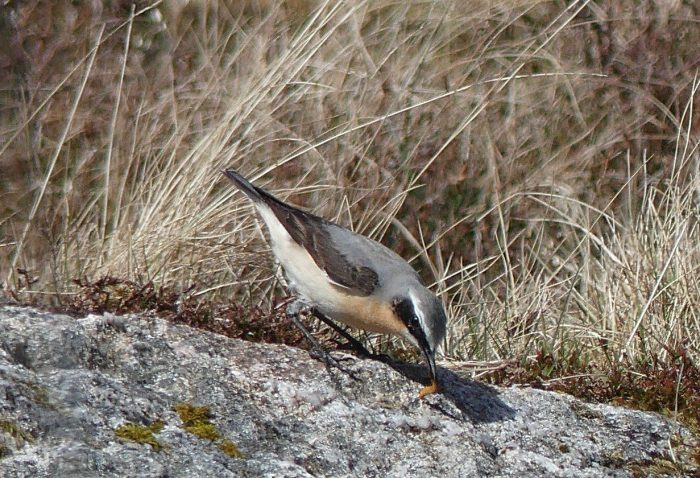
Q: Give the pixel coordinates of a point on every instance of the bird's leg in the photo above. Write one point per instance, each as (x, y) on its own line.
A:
(353, 343)
(293, 306)
(317, 351)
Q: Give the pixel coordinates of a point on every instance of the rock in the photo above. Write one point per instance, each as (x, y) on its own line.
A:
(134, 396)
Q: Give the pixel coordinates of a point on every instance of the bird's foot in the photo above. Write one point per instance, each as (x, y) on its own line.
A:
(363, 353)
(293, 308)
(332, 362)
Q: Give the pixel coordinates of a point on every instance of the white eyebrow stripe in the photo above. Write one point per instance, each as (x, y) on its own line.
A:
(418, 310)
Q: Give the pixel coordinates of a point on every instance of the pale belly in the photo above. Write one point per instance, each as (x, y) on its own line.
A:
(313, 284)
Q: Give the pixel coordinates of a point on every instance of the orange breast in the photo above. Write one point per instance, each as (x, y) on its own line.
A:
(367, 314)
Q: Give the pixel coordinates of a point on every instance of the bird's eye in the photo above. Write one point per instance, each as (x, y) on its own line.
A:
(406, 312)
(404, 309)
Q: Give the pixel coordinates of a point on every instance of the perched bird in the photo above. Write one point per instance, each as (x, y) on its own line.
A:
(350, 278)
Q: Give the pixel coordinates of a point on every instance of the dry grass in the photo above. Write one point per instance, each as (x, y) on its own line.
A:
(537, 159)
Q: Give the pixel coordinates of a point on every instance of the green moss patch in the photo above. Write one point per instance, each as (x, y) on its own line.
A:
(204, 430)
(15, 431)
(4, 451)
(230, 449)
(192, 415)
(197, 421)
(141, 434)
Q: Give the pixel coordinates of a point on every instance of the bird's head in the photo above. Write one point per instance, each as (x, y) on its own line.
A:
(424, 316)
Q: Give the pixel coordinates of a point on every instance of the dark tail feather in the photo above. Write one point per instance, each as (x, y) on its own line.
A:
(253, 192)
(244, 185)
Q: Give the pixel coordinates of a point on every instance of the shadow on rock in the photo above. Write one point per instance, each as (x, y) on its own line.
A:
(477, 402)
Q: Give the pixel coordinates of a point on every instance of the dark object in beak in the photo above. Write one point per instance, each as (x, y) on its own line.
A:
(434, 387)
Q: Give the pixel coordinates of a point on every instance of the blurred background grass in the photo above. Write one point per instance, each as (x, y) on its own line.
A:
(537, 160)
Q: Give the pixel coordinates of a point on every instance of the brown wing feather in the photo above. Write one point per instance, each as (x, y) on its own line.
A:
(310, 232)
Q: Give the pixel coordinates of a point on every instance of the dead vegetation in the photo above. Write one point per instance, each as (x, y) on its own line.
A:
(538, 160)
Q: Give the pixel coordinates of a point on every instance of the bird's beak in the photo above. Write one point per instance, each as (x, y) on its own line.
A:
(434, 386)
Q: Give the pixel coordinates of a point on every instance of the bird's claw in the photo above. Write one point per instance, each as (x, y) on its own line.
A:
(331, 361)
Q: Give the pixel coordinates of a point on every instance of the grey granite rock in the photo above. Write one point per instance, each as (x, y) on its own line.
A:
(67, 385)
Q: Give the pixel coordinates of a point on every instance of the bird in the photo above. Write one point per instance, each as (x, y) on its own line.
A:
(349, 277)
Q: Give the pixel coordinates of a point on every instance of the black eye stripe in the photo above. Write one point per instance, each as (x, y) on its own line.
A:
(404, 309)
